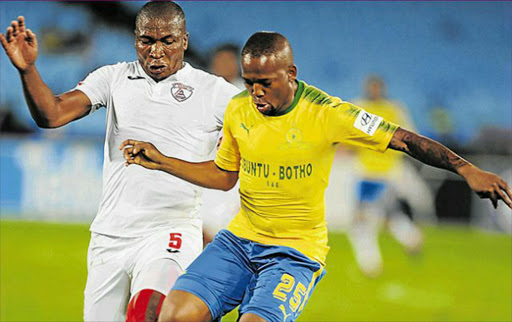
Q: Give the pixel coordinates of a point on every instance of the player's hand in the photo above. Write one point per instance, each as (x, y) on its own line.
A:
(487, 185)
(142, 153)
(20, 45)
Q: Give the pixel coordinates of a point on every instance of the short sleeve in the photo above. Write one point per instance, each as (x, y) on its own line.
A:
(348, 123)
(97, 86)
(228, 155)
(224, 94)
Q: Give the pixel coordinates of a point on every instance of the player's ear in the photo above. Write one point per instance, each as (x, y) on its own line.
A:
(292, 72)
(185, 41)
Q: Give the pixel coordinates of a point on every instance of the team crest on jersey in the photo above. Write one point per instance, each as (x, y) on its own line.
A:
(294, 135)
(181, 92)
(294, 139)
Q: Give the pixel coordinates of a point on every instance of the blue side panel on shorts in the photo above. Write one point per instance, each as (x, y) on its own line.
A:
(273, 282)
(370, 191)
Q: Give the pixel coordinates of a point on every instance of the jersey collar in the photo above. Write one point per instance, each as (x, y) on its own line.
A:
(298, 94)
(296, 98)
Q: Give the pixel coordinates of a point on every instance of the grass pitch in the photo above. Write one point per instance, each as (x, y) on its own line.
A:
(462, 275)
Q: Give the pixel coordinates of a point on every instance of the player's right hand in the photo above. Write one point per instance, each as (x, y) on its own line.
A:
(20, 45)
(142, 153)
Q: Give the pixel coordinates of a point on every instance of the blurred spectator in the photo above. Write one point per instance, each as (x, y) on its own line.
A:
(389, 189)
(58, 41)
(442, 124)
(225, 62)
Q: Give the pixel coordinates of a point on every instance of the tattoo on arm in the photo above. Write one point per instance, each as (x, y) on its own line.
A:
(426, 150)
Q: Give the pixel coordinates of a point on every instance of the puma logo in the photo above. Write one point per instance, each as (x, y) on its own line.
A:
(284, 312)
(243, 126)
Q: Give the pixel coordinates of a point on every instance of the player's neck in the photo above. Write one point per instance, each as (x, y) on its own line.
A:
(291, 101)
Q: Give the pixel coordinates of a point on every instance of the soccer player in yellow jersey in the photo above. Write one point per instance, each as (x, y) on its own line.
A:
(279, 137)
(385, 182)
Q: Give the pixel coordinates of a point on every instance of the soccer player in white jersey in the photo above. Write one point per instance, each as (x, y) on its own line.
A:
(148, 228)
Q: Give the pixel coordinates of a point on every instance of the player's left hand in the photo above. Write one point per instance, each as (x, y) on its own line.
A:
(487, 185)
(142, 153)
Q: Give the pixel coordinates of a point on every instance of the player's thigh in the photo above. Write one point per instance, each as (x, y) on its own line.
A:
(108, 285)
(220, 275)
(163, 256)
(282, 288)
(184, 306)
(370, 191)
(159, 275)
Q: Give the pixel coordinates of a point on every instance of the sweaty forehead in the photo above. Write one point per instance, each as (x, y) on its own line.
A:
(162, 25)
(249, 59)
(264, 66)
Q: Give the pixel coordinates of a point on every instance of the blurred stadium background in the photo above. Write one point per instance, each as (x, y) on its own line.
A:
(449, 63)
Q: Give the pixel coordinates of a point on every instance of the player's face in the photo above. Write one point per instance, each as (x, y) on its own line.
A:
(375, 90)
(270, 81)
(160, 45)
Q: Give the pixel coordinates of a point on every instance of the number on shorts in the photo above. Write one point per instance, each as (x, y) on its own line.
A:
(175, 240)
(286, 285)
(299, 292)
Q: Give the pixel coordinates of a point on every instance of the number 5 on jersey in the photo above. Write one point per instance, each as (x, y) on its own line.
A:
(174, 242)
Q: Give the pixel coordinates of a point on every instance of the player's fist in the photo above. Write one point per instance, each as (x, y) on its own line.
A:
(20, 45)
(487, 185)
(142, 153)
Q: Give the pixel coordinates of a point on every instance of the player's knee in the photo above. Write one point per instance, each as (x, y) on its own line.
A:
(145, 306)
(182, 306)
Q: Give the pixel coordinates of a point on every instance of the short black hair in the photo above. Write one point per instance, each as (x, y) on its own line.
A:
(159, 8)
(264, 43)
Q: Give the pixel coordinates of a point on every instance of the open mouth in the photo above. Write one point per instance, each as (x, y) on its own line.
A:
(157, 69)
(263, 107)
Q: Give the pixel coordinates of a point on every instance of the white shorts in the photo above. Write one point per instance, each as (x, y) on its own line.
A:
(118, 268)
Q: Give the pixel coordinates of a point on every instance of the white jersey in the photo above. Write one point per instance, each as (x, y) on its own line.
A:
(181, 115)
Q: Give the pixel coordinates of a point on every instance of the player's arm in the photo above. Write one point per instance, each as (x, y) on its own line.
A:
(204, 174)
(48, 110)
(485, 184)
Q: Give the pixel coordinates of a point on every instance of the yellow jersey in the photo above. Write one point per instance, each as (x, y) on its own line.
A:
(284, 164)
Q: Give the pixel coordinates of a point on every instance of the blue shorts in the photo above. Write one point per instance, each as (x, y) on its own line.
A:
(371, 191)
(273, 282)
